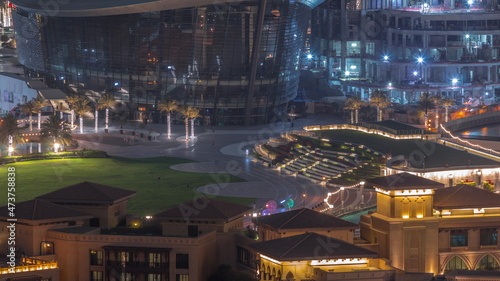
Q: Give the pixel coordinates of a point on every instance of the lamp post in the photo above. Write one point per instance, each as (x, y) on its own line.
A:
(304, 199)
(362, 191)
(56, 147)
(478, 174)
(342, 198)
(11, 147)
(450, 180)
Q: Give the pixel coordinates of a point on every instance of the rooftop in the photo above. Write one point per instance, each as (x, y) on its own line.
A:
(89, 193)
(404, 181)
(310, 246)
(38, 209)
(465, 196)
(303, 219)
(205, 208)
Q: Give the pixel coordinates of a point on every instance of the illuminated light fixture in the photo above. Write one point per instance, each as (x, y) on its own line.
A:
(386, 58)
(420, 216)
(413, 192)
(11, 148)
(470, 2)
(270, 259)
(353, 67)
(415, 73)
(354, 45)
(309, 56)
(420, 59)
(56, 147)
(406, 216)
(382, 191)
(389, 85)
(339, 261)
(149, 217)
(454, 81)
(479, 211)
(347, 73)
(446, 213)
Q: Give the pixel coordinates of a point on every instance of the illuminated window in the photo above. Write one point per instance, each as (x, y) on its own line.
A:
(46, 248)
(96, 276)
(489, 237)
(487, 263)
(154, 277)
(181, 277)
(96, 257)
(125, 276)
(154, 259)
(458, 238)
(455, 263)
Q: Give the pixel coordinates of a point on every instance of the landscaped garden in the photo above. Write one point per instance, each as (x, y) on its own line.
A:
(436, 155)
(158, 187)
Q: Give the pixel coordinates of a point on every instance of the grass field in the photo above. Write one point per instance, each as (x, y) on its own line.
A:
(35, 178)
(437, 155)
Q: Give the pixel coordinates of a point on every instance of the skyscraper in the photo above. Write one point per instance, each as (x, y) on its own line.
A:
(238, 61)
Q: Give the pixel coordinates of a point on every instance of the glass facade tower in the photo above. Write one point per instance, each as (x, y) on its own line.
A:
(238, 62)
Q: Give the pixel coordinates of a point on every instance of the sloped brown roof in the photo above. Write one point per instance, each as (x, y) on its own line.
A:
(404, 181)
(88, 193)
(304, 219)
(38, 209)
(310, 246)
(465, 196)
(205, 208)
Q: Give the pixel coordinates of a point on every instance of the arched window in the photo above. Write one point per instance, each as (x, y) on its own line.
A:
(487, 263)
(455, 263)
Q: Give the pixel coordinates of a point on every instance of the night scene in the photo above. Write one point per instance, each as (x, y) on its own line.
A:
(249, 140)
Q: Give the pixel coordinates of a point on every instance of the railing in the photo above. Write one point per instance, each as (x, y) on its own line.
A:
(136, 264)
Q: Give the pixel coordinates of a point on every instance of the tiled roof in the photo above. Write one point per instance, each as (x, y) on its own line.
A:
(38, 209)
(404, 181)
(310, 246)
(465, 196)
(304, 219)
(90, 193)
(205, 208)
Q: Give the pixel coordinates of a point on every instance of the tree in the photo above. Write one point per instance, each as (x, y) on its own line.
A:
(40, 103)
(425, 104)
(354, 104)
(189, 113)
(8, 127)
(54, 131)
(72, 100)
(29, 108)
(379, 100)
(106, 101)
(447, 103)
(437, 101)
(121, 114)
(81, 107)
(168, 106)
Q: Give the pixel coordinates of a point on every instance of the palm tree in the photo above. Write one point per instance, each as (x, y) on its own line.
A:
(168, 106)
(425, 104)
(72, 100)
(29, 108)
(447, 103)
(437, 101)
(106, 101)
(53, 130)
(81, 107)
(8, 129)
(354, 104)
(40, 103)
(189, 113)
(380, 100)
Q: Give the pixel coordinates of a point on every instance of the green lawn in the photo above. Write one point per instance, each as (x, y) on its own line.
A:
(35, 178)
(437, 155)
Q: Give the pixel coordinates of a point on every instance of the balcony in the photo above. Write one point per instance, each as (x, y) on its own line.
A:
(138, 266)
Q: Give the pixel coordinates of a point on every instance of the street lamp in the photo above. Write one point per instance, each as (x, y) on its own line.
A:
(478, 173)
(362, 191)
(56, 147)
(304, 198)
(342, 197)
(450, 180)
(11, 147)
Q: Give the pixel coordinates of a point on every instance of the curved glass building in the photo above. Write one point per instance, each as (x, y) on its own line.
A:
(238, 61)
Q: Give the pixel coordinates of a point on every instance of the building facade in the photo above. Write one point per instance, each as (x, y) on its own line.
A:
(237, 61)
(447, 48)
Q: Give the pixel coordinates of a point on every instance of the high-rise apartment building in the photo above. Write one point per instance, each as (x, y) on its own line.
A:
(445, 47)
